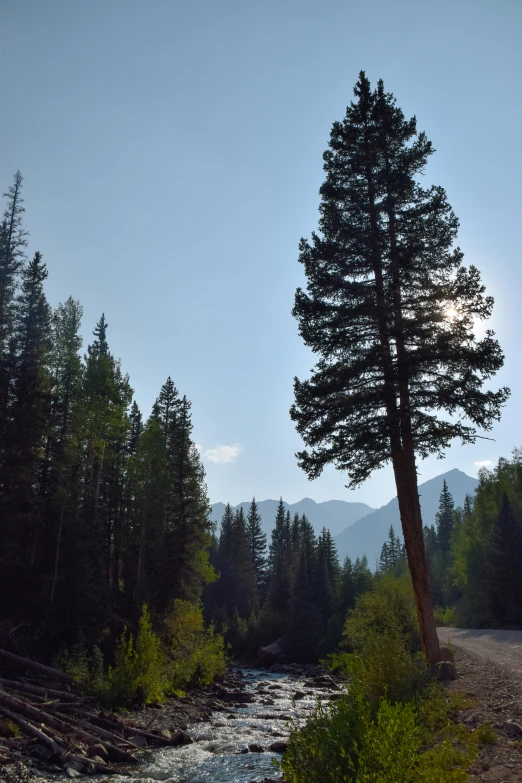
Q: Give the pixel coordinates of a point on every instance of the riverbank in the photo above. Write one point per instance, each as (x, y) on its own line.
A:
(234, 729)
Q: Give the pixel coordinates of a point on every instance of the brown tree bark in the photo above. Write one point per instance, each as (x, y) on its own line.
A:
(410, 511)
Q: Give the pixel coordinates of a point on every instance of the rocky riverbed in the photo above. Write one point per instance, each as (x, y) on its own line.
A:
(235, 730)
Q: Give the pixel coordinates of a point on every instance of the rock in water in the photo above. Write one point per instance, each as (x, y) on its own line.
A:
(180, 737)
(279, 747)
(272, 653)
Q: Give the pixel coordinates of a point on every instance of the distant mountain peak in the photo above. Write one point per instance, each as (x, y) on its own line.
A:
(367, 535)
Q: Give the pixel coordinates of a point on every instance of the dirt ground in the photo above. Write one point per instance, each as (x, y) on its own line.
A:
(496, 692)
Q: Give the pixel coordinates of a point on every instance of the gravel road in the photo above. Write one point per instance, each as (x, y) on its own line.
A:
(504, 647)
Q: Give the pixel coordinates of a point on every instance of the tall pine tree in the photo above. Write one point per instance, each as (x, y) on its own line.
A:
(390, 310)
(257, 543)
(445, 518)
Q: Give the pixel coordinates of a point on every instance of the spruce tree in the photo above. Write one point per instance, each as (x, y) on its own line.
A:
(13, 241)
(390, 310)
(244, 596)
(257, 543)
(384, 558)
(445, 518)
(29, 416)
(279, 561)
(504, 568)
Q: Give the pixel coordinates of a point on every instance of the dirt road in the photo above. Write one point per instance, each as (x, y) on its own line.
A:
(504, 647)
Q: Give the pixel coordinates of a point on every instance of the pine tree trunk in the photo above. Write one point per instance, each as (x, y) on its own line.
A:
(410, 511)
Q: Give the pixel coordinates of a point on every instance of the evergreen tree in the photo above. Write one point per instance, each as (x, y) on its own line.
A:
(13, 241)
(383, 282)
(504, 568)
(384, 559)
(279, 561)
(257, 543)
(185, 571)
(62, 461)
(445, 518)
(304, 617)
(356, 578)
(29, 413)
(245, 596)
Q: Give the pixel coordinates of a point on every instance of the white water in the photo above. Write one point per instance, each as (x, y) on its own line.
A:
(215, 756)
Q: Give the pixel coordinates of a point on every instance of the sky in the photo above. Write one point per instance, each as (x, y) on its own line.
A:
(172, 155)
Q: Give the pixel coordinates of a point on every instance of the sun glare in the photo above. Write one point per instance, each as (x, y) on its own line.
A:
(451, 313)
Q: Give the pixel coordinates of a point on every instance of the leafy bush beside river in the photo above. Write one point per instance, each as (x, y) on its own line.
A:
(147, 667)
(392, 722)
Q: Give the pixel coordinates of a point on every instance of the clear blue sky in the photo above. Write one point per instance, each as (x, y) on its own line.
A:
(172, 158)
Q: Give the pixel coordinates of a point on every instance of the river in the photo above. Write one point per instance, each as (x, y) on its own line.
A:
(235, 745)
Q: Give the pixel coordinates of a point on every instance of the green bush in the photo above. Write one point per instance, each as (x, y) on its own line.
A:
(196, 655)
(138, 674)
(348, 742)
(389, 610)
(86, 669)
(445, 616)
(381, 633)
(392, 724)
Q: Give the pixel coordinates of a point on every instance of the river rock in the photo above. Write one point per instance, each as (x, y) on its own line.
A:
(255, 748)
(512, 728)
(180, 737)
(241, 697)
(323, 681)
(299, 695)
(279, 746)
(272, 653)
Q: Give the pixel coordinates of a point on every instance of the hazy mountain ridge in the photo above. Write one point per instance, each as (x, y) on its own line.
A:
(357, 528)
(367, 535)
(336, 515)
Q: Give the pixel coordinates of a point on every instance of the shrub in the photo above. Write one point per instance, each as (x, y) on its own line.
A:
(196, 654)
(392, 725)
(345, 743)
(138, 674)
(86, 669)
(381, 631)
(389, 610)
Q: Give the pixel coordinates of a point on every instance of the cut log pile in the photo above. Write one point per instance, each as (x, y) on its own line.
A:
(65, 728)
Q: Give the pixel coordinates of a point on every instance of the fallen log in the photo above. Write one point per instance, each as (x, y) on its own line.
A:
(43, 717)
(113, 722)
(39, 667)
(37, 690)
(32, 731)
(109, 735)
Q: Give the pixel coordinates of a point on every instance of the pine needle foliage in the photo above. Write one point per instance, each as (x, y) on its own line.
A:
(389, 306)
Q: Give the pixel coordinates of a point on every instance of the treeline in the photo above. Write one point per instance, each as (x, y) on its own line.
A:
(474, 552)
(101, 510)
(293, 588)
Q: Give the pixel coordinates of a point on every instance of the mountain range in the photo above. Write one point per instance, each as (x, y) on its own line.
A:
(336, 515)
(357, 528)
(367, 535)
